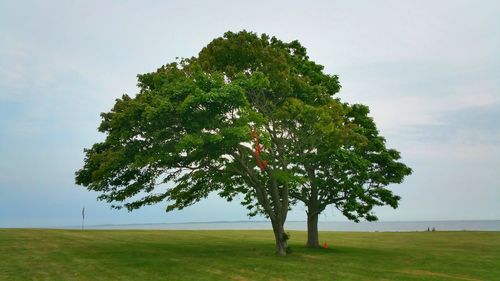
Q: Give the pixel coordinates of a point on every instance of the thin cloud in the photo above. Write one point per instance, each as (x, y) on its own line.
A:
(428, 70)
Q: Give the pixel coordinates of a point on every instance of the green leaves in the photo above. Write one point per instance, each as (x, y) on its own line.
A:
(179, 126)
(347, 163)
(187, 133)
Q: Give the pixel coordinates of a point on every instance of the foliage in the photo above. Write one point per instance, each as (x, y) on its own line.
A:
(250, 115)
(191, 126)
(344, 161)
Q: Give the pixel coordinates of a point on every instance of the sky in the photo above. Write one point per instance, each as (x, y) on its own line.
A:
(428, 70)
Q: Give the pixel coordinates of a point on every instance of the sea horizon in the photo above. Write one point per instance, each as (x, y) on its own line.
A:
(363, 226)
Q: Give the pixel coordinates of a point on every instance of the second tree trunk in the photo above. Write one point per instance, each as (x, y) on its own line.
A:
(312, 231)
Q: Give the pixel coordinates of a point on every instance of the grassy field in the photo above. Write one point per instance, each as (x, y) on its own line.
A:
(33, 254)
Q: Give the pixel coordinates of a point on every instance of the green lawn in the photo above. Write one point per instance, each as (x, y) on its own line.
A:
(33, 254)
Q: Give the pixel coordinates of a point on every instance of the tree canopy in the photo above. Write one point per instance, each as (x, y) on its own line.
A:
(248, 116)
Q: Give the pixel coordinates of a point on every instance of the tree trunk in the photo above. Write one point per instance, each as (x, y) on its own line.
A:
(312, 230)
(312, 212)
(279, 235)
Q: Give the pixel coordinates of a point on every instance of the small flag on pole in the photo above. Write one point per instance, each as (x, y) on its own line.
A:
(83, 216)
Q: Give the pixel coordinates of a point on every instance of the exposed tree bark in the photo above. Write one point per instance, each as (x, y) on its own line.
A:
(313, 211)
(279, 221)
(312, 230)
(279, 234)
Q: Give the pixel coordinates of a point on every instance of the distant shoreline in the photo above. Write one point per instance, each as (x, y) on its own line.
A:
(398, 226)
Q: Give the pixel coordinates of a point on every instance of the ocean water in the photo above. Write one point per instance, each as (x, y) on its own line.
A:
(468, 225)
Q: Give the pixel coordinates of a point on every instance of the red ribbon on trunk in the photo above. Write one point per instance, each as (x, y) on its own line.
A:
(258, 149)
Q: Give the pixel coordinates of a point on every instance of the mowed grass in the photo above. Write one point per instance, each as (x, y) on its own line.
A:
(35, 254)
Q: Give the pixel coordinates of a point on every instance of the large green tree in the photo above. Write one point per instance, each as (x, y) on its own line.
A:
(244, 117)
(331, 153)
(193, 128)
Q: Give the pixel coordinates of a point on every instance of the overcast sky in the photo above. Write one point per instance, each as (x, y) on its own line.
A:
(429, 71)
